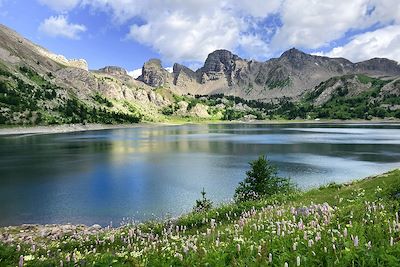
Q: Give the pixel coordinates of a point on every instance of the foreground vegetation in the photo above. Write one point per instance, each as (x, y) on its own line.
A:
(354, 224)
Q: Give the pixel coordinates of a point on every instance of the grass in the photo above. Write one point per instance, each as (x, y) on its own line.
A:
(353, 224)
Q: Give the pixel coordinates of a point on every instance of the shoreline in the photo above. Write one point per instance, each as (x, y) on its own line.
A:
(54, 231)
(70, 128)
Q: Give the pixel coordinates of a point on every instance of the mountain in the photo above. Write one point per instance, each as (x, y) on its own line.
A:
(38, 86)
(290, 75)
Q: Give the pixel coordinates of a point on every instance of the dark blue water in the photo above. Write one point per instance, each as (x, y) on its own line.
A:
(148, 172)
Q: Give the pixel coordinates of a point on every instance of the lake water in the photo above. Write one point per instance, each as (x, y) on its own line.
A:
(148, 172)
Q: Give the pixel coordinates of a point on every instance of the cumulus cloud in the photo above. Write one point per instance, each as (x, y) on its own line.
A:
(179, 37)
(313, 24)
(135, 73)
(384, 42)
(60, 5)
(189, 30)
(59, 26)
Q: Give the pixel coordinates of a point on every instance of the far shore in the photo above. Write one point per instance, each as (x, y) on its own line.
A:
(6, 130)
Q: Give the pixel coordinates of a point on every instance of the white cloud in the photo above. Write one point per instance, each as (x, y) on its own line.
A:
(384, 42)
(313, 24)
(256, 8)
(169, 69)
(178, 37)
(135, 73)
(59, 26)
(60, 5)
(187, 31)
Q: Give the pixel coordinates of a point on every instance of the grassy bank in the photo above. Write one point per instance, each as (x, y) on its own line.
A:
(354, 224)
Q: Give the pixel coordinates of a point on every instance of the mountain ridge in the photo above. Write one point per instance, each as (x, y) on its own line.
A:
(290, 75)
(38, 86)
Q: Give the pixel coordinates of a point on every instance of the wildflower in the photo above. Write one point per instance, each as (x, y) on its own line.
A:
(18, 248)
(298, 260)
(21, 261)
(213, 224)
(369, 246)
(286, 264)
(270, 258)
(325, 249)
(61, 263)
(355, 241)
(179, 256)
(259, 249)
(345, 232)
(238, 247)
(391, 241)
(294, 246)
(310, 243)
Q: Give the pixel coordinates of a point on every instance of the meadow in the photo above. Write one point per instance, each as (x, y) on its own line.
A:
(353, 224)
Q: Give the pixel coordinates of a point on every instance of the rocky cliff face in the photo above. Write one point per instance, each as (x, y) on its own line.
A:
(290, 75)
(154, 74)
(114, 70)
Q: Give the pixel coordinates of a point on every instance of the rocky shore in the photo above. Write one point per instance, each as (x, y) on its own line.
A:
(37, 234)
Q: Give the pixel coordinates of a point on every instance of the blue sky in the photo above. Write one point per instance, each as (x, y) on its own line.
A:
(129, 32)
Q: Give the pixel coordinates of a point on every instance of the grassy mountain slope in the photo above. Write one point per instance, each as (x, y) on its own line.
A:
(354, 224)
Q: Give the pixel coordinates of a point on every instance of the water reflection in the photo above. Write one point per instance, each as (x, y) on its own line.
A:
(99, 176)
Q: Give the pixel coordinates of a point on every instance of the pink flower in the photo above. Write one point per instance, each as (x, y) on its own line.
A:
(21, 261)
(355, 241)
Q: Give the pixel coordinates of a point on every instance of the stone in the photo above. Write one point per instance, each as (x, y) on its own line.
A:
(153, 74)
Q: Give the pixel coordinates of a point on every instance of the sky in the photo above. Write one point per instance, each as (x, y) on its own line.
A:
(127, 33)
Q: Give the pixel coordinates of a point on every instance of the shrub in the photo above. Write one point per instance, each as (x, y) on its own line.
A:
(203, 204)
(262, 181)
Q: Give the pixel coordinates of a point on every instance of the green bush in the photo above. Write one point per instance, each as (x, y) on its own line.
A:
(262, 181)
(204, 204)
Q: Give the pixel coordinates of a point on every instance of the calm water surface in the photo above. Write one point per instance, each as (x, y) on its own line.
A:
(142, 173)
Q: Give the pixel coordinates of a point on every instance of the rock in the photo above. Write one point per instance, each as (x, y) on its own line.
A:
(249, 117)
(182, 108)
(96, 227)
(219, 64)
(200, 111)
(113, 70)
(153, 74)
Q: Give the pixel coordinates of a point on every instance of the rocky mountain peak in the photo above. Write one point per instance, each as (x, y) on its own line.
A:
(380, 65)
(220, 60)
(153, 73)
(294, 55)
(178, 68)
(113, 70)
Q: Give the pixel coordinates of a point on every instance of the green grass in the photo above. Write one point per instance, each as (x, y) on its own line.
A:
(335, 225)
